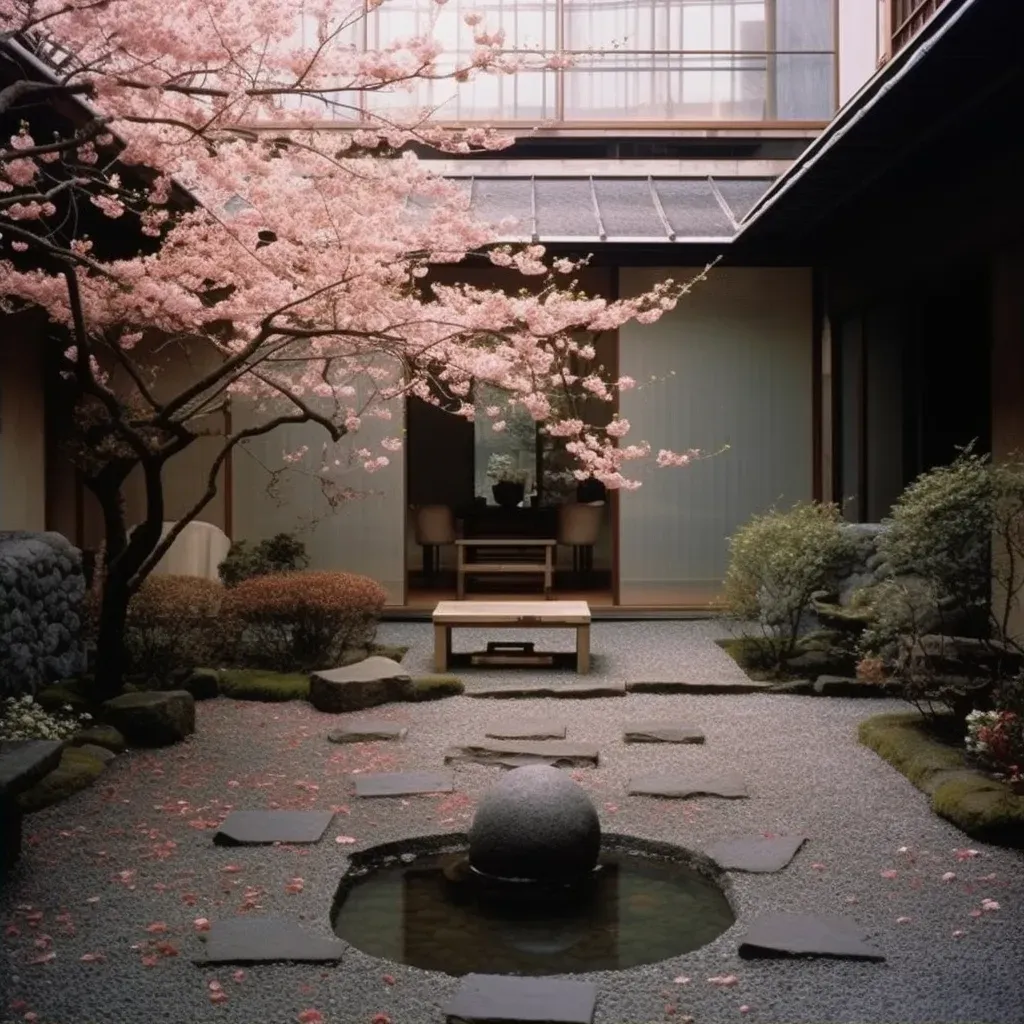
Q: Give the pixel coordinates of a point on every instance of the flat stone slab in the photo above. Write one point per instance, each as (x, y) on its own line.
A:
(661, 732)
(679, 785)
(404, 783)
(522, 752)
(514, 1000)
(568, 690)
(24, 762)
(692, 686)
(368, 730)
(526, 730)
(255, 827)
(775, 935)
(256, 940)
(756, 854)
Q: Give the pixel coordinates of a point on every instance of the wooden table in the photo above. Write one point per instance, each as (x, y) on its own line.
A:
(504, 555)
(512, 615)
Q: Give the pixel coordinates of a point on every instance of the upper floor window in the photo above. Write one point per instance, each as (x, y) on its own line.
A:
(907, 18)
(635, 61)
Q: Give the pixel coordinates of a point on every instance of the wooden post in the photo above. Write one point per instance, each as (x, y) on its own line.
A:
(583, 649)
(442, 645)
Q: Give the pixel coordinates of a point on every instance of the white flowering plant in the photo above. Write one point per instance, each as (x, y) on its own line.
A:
(21, 718)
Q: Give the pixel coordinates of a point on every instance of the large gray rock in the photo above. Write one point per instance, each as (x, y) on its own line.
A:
(536, 823)
(365, 684)
(152, 719)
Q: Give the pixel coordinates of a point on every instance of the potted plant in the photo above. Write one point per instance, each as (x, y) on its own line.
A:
(509, 486)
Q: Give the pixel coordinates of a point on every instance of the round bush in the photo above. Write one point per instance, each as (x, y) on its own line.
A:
(302, 621)
(172, 624)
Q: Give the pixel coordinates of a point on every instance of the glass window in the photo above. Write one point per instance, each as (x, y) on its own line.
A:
(510, 453)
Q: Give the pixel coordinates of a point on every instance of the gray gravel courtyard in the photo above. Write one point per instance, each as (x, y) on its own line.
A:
(120, 873)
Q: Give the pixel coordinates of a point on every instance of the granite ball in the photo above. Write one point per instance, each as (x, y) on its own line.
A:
(536, 824)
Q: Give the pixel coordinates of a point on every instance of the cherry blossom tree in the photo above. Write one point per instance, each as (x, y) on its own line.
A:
(166, 175)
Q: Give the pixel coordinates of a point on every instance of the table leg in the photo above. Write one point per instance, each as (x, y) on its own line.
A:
(548, 567)
(442, 647)
(583, 649)
(460, 573)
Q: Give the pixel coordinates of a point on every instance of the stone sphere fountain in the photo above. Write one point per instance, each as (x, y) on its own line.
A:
(535, 825)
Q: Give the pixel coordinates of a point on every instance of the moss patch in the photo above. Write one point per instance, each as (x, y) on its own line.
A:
(68, 691)
(434, 687)
(256, 684)
(749, 654)
(77, 770)
(105, 736)
(984, 808)
(396, 652)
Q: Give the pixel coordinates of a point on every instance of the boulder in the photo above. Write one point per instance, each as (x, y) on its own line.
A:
(105, 736)
(960, 658)
(844, 686)
(365, 684)
(153, 719)
(536, 823)
(202, 683)
(101, 754)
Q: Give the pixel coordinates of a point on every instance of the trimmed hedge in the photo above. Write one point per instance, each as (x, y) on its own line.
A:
(985, 808)
(302, 620)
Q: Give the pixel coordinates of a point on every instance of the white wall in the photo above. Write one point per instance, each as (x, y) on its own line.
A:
(22, 426)
(735, 356)
(858, 44)
(365, 535)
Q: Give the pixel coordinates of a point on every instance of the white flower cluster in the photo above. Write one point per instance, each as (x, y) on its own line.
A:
(21, 718)
(976, 721)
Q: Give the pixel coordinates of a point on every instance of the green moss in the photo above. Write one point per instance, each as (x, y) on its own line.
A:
(105, 736)
(257, 684)
(77, 770)
(434, 687)
(986, 809)
(69, 691)
(749, 654)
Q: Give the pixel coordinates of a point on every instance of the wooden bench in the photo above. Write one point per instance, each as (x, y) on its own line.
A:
(449, 615)
(504, 555)
(22, 764)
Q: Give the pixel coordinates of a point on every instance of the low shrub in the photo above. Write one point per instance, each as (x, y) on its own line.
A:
(302, 621)
(22, 718)
(172, 625)
(271, 557)
(777, 562)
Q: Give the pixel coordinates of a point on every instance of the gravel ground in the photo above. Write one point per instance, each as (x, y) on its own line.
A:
(134, 853)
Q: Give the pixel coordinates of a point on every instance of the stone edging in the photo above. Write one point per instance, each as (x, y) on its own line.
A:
(983, 807)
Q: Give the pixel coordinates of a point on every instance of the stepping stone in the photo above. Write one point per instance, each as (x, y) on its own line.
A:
(519, 752)
(680, 785)
(255, 827)
(365, 684)
(513, 1000)
(527, 731)
(712, 686)
(404, 783)
(573, 690)
(776, 935)
(256, 940)
(369, 730)
(756, 854)
(662, 732)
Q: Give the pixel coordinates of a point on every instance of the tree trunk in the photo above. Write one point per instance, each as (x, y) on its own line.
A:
(110, 652)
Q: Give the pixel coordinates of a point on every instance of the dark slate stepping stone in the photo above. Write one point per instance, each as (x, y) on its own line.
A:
(24, 762)
(527, 731)
(253, 827)
(756, 854)
(513, 1000)
(404, 783)
(256, 940)
(369, 730)
(679, 785)
(569, 690)
(778, 935)
(662, 732)
(521, 752)
(685, 686)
